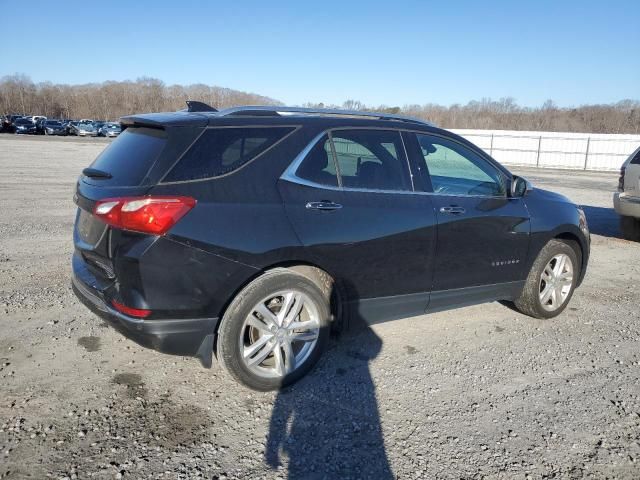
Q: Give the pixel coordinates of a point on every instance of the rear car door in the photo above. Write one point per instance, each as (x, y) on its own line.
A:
(350, 198)
(483, 233)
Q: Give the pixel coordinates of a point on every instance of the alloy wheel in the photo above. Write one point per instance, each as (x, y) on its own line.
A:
(556, 282)
(279, 334)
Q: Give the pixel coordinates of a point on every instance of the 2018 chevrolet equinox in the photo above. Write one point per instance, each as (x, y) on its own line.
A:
(250, 231)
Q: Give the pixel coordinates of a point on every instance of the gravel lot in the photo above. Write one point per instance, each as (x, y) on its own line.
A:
(471, 393)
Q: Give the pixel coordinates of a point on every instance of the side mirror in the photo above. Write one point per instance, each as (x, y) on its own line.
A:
(520, 186)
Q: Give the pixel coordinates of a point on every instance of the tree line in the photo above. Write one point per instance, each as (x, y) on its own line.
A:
(111, 100)
(506, 114)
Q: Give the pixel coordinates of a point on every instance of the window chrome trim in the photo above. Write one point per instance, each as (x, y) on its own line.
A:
(406, 159)
(334, 155)
(290, 173)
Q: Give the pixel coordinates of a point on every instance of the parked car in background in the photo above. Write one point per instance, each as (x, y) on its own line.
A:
(54, 127)
(98, 125)
(83, 128)
(36, 118)
(25, 126)
(626, 201)
(110, 129)
(40, 130)
(70, 127)
(255, 229)
(8, 123)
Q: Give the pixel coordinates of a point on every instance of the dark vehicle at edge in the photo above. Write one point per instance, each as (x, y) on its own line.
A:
(253, 231)
(8, 123)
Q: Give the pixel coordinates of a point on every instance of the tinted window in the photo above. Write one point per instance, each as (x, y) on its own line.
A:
(371, 159)
(223, 150)
(636, 159)
(131, 155)
(318, 166)
(457, 170)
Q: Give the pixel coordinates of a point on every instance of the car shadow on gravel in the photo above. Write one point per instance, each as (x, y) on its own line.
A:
(603, 221)
(328, 424)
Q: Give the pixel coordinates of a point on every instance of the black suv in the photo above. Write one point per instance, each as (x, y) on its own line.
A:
(250, 232)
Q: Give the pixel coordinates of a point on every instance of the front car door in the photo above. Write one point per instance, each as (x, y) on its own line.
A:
(483, 233)
(351, 201)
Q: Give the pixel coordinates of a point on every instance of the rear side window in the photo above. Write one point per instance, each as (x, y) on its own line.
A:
(371, 159)
(222, 150)
(364, 159)
(318, 166)
(130, 156)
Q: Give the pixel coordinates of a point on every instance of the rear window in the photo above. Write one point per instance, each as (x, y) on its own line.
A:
(131, 155)
(222, 150)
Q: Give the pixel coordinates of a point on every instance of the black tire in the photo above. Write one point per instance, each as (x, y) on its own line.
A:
(231, 327)
(630, 228)
(529, 301)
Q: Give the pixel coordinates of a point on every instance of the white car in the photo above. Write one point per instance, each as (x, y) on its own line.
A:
(626, 200)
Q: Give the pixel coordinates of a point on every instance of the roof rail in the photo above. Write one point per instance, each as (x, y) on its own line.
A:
(262, 110)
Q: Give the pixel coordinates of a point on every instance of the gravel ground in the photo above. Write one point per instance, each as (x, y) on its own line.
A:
(480, 392)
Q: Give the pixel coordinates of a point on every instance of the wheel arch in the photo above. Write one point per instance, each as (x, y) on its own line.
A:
(576, 244)
(325, 280)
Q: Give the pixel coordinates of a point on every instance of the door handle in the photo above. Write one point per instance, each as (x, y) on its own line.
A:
(452, 210)
(324, 206)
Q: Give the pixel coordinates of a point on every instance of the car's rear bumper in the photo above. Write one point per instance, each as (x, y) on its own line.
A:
(626, 205)
(188, 337)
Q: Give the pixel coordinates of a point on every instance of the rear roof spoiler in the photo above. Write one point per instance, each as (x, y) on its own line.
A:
(195, 106)
(164, 119)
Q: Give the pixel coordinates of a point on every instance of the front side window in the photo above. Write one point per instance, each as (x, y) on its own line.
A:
(457, 170)
(219, 151)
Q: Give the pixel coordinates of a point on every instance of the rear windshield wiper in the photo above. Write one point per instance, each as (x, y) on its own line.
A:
(95, 173)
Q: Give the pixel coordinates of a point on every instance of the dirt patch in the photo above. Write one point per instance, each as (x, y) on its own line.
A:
(90, 344)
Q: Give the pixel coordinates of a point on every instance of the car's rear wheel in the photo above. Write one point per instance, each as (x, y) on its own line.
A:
(274, 331)
(551, 281)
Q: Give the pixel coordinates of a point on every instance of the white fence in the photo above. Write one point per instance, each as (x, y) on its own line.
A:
(555, 150)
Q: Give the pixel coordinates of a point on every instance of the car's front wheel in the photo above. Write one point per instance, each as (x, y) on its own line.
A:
(274, 331)
(551, 281)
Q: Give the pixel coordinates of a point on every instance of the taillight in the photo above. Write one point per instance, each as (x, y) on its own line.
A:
(132, 312)
(152, 214)
(621, 180)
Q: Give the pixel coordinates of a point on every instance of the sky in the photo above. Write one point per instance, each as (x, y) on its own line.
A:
(378, 52)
